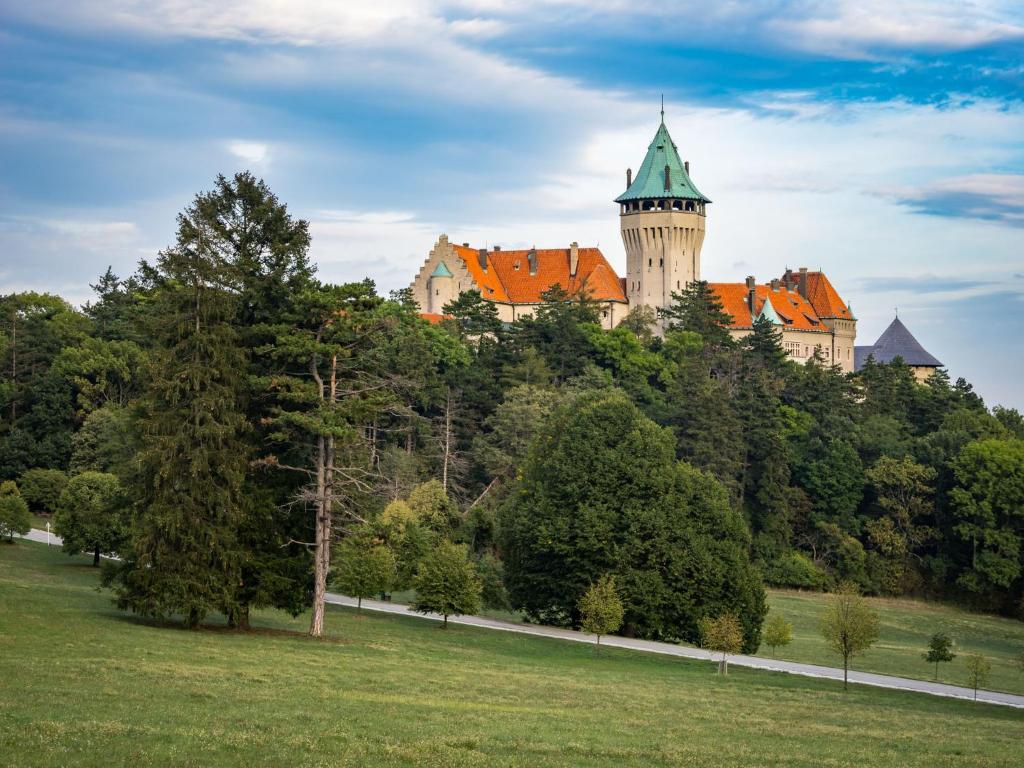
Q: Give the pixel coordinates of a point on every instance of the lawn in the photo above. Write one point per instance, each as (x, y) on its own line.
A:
(906, 626)
(85, 685)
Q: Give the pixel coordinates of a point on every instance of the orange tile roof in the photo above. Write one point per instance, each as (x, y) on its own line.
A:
(794, 311)
(432, 317)
(488, 282)
(823, 297)
(508, 277)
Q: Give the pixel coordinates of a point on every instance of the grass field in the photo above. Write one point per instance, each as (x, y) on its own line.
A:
(82, 684)
(906, 626)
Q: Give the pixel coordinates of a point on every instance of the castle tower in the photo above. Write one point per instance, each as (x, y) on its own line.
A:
(661, 217)
(442, 288)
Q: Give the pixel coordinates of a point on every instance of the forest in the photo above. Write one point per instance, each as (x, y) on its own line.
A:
(243, 435)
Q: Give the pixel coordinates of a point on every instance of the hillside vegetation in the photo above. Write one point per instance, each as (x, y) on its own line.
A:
(87, 685)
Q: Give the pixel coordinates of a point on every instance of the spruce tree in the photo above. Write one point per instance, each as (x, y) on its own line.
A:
(185, 557)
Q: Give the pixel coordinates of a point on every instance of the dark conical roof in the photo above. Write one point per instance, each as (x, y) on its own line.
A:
(897, 341)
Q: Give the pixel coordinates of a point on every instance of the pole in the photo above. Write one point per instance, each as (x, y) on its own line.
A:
(47, 533)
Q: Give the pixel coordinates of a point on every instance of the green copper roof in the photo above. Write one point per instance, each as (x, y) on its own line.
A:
(849, 308)
(768, 311)
(649, 182)
(442, 270)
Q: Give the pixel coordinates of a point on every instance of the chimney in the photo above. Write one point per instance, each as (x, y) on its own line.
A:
(629, 178)
(497, 248)
(751, 293)
(531, 256)
(574, 258)
(668, 179)
(465, 245)
(686, 165)
(481, 257)
(775, 284)
(803, 282)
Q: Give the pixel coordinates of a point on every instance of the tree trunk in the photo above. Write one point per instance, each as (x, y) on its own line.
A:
(96, 557)
(316, 624)
(447, 438)
(444, 624)
(359, 604)
(846, 673)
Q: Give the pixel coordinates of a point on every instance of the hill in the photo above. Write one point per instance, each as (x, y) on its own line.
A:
(88, 685)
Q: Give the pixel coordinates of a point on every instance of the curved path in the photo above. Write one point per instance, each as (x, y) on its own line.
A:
(669, 649)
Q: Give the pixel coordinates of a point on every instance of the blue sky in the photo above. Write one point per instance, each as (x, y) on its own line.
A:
(880, 141)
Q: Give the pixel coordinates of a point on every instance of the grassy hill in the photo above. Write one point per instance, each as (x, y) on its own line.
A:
(906, 626)
(86, 685)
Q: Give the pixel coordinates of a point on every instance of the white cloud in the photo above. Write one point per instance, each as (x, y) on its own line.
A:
(252, 152)
(859, 27)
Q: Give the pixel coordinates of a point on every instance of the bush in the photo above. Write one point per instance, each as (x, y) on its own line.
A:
(797, 571)
(41, 488)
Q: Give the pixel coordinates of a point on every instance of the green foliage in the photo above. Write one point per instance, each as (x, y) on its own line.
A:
(778, 632)
(625, 506)
(988, 501)
(794, 569)
(600, 608)
(978, 671)
(447, 582)
(14, 514)
(185, 556)
(92, 515)
(106, 442)
(940, 649)
(722, 634)
(363, 568)
(433, 509)
(849, 625)
(41, 488)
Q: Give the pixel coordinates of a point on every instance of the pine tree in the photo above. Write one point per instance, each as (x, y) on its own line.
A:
(697, 309)
(185, 557)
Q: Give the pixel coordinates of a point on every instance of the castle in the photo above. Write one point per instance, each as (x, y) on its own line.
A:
(662, 217)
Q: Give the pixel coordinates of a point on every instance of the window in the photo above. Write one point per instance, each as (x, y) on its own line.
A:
(650, 263)
(661, 262)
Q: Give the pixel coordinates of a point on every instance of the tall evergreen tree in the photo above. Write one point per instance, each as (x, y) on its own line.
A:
(185, 556)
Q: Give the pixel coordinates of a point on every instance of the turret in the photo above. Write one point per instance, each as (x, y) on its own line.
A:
(661, 218)
(441, 287)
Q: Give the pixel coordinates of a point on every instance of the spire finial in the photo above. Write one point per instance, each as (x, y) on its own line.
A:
(663, 109)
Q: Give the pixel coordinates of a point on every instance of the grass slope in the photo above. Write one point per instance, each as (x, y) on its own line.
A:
(906, 627)
(84, 685)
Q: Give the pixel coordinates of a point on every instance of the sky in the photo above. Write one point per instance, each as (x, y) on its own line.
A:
(882, 142)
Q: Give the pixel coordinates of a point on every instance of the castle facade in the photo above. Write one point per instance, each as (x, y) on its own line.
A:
(662, 219)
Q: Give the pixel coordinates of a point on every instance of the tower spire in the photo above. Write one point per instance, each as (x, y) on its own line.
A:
(663, 109)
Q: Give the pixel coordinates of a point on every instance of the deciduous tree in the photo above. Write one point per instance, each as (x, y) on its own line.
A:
(940, 649)
(721, 634)
(92, 515)
(978, 670)
(849, 625)
(778, 632)
(447, 583)
(600, 608)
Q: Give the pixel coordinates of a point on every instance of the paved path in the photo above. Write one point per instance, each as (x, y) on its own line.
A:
(670, 649)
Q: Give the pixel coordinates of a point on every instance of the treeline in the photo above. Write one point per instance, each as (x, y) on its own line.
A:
(224, 421)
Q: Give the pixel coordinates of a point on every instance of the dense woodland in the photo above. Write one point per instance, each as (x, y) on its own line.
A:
(242, 434)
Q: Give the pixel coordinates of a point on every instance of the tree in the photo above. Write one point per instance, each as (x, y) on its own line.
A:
(185, 556)
(849, 625)
(601, 608)
(364, 568)
(940, 649)
(988, 502)
(14, 514)
(698, 309)
(447, 583)
(91, 515)
(978, 670)
(41, 488)
(778, 632)
(723, 635)
(602, 492)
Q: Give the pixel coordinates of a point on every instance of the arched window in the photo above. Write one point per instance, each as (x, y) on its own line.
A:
(689, 205)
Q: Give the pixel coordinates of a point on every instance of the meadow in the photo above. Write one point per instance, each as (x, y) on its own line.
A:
(84, 684)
